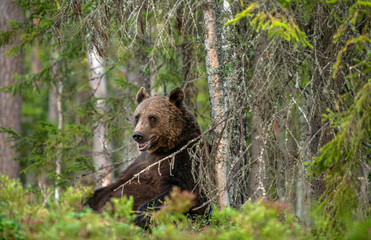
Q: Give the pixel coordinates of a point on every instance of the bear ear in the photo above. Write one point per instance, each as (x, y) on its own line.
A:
(176, 96)
(141, 95)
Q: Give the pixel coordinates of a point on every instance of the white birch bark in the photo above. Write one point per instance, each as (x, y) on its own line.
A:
(216, 97)
(58, 88)
(100, 145)
(58, 169)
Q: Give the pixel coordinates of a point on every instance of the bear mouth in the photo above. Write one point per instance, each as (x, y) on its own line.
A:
(145, 145)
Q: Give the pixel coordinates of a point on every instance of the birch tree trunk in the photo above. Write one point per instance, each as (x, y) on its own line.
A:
(60, 127)
(58, 88)
(100, 143)
(54, 115)
(215, 82)
(10, 106)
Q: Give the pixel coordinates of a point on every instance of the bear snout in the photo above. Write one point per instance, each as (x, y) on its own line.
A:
(138, 137)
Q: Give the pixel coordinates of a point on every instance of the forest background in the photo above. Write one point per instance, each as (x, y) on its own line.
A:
(280, 88)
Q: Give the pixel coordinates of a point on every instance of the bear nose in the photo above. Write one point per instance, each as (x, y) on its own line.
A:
(138, 136)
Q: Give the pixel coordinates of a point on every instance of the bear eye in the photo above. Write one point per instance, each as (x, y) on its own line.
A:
(136, 119)
(152, 119)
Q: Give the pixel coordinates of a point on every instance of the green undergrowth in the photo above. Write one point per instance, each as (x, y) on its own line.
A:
(25, 214)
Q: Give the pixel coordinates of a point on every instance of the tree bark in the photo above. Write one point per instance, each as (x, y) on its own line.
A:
(132, 76)
(259, 155)
(216, 98)
(100, 143)
(10, 106)
(58, 163)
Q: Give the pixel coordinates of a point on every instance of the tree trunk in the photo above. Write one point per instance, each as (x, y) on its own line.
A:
(58, 163)
(186, 50)
(10, 106)
(236, 102)
(216, 98)
(58, 88)
(302, 188)
(132, 76)
(100, 145)
(286, 166)
(259, 157)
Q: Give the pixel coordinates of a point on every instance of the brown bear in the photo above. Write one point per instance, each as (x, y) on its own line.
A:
(162, 126)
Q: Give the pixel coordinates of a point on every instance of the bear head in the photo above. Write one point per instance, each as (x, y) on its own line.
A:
(163, 124)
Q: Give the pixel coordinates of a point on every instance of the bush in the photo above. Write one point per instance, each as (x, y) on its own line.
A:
(261, 220)
(10, 229)
(24, 216)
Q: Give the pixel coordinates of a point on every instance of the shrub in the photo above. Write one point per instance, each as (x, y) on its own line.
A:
(25, 217)
(261, 220)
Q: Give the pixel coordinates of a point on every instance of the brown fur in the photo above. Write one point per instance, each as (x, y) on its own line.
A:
(167, 126)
